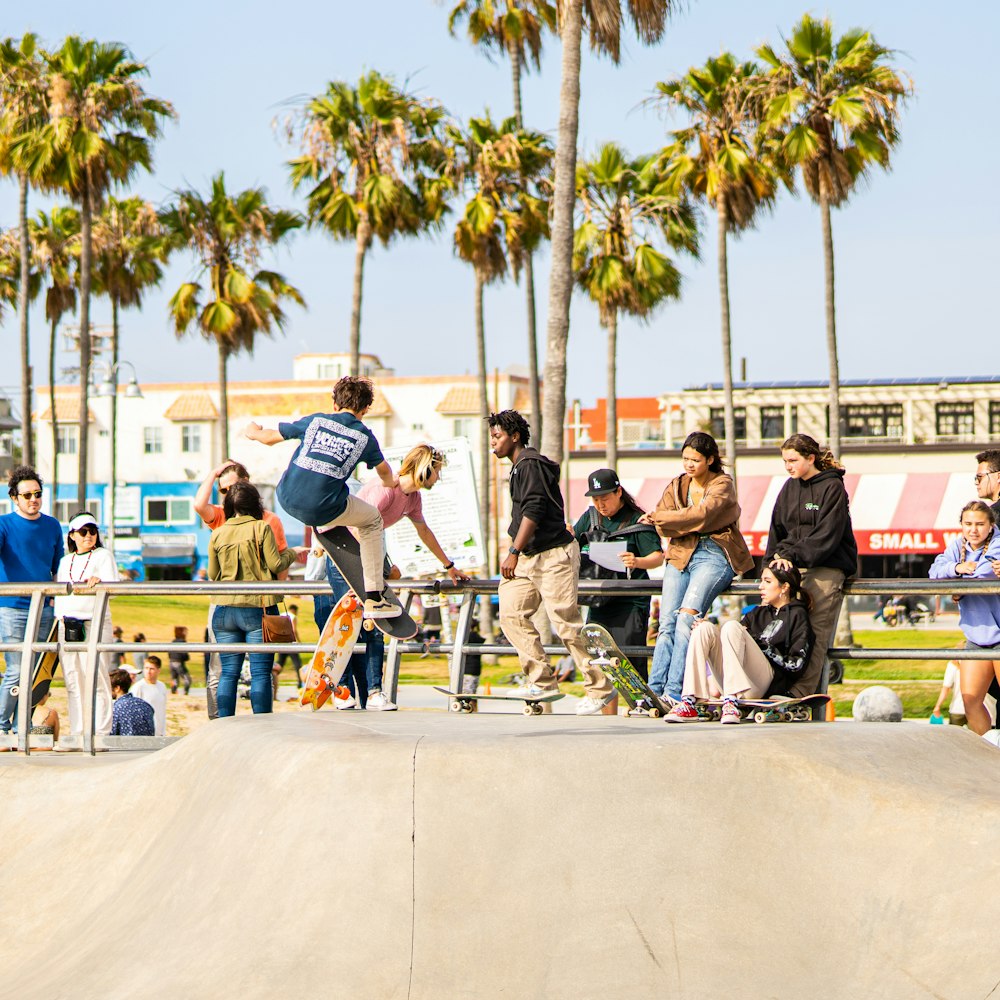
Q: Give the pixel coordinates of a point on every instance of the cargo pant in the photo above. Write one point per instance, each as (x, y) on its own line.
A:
(825, 588)
(548, 578)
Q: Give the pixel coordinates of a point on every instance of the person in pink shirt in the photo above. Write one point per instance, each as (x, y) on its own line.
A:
(420, 470)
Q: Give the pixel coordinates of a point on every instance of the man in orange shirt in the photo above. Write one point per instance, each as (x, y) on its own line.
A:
(214, 517)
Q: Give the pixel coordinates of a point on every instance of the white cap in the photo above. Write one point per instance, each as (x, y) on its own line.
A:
(131, 668)
(80, 520)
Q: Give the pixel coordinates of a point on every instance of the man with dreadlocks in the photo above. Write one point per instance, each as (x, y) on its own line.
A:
(541, 568)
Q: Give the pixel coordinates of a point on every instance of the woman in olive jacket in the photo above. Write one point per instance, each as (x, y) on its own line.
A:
(700, 517)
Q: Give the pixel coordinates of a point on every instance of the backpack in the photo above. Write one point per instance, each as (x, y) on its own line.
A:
(589, 570)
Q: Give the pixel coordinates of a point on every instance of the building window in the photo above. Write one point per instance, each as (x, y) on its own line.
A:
(416, 427)
(67, 438)
(994, 419)
(717, 419)
(152, 440)
(772, 423)
(169, 510)
(330, 371)
(64, 510)
(463, 427)
(640, 432)
(955, 420)
(873, 420)
(190, 438)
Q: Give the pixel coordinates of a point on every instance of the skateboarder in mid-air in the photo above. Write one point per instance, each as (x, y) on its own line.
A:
(314, 486)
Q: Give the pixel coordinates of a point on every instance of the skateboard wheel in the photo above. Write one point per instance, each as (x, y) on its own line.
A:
(368, 624)
(528, 710)
(654, 713)
(760, 717)
(537, 709)
(456, 706)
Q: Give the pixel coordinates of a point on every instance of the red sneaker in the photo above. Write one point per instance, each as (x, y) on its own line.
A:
(682, 712)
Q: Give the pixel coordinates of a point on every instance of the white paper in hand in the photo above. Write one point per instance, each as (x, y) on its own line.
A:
(606, 554)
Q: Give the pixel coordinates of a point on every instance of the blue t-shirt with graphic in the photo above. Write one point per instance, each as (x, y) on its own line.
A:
(314, 486)
(30, 551)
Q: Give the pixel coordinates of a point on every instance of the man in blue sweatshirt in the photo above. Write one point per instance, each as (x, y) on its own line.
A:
(31, 545)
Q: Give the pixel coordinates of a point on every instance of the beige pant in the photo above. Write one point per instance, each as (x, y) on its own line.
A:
(735, 660)
(548, 578)
(826, 589)
(367, 524)
(74, 668)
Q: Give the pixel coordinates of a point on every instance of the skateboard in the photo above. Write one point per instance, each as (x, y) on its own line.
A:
(763, 710)
(626, 680)
(467, 702)
(336, 643)
(45, 669)
(345, 552)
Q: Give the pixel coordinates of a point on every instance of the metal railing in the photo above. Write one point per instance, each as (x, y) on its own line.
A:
(458, 650)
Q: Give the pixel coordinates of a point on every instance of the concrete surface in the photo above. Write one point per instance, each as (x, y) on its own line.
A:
(428, 855)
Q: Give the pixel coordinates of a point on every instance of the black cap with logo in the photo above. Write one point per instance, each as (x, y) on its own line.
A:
(602, 481)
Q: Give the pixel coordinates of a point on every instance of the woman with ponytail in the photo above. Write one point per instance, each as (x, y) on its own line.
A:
(972, 557)
(760, 656)
(811, 530)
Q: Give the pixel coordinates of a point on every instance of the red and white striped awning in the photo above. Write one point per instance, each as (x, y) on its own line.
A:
(914, 513)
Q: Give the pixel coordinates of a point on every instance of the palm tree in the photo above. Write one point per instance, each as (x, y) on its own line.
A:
(22, 99)
(719, 157)
(514, 29)
(131, 248)
(227, 233)
(505, 171)
(604, 20)
(371, 156)
(100, 131)
(626, 205)
(55, 241)
(834, 104)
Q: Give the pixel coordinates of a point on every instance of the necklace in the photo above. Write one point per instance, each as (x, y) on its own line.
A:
(83, 575)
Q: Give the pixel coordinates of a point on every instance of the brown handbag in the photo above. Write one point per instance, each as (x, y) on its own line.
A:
(277, 628)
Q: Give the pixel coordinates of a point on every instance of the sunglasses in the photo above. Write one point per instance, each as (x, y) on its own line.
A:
(979, 477)
(33, 495)
(87, 529)
(223, 490)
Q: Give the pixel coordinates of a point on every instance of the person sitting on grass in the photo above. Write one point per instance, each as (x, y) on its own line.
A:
(759, 657)
(972, 556)
(131, 716)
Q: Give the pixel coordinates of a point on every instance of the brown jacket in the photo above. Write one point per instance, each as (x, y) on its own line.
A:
(717, 516)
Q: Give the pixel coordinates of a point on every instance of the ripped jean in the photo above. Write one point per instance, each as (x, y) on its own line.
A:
(706, 575)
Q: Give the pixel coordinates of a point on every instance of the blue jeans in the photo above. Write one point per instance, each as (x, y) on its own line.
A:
(235, 624)
(367, 665)
(13, 622)
(706, 575)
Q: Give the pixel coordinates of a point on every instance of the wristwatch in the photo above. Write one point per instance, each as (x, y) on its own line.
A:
(514, 551)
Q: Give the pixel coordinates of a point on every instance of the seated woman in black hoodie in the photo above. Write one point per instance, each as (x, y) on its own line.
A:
(759, 657)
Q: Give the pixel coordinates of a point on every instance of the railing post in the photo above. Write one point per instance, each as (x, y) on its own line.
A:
(390, 682)
(463, 627)
(90, 672)
(35, 606)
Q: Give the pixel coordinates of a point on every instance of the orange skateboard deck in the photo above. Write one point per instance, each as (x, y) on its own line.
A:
(336, 643)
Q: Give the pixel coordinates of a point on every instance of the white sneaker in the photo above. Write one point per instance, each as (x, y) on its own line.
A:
(594, 706)
(378, 702)
(530, 691)
(382, 609)
(342, 697)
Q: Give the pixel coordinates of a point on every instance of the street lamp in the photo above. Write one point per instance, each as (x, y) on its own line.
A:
(108, 389)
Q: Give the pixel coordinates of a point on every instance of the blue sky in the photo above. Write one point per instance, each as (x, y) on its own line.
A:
(913, 249)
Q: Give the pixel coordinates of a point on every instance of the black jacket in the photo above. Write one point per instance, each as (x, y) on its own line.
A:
(811, 524)
(785, 637)
(535, 493)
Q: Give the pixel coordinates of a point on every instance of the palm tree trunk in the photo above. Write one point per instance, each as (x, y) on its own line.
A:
(27, 447)
(529, 269)
(113, 485)
(612, 403)
(564, 203)
(223, 402)
(485, 610)
(361, 243)
(86, 252)
(52, 410)
(831, 320)
(729, 413)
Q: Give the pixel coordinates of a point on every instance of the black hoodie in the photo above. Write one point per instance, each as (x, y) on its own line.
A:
(535, 493)
(785, 637)
(811, 524)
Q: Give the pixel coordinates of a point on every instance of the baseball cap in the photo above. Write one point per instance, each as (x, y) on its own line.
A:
(81, 520)
(602, 481)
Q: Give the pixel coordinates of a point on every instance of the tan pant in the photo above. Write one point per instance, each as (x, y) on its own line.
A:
(735, 660)
(826, 589)
(548, 578)
(367, 524)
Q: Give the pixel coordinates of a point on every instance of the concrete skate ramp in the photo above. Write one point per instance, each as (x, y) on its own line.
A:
(437, 856)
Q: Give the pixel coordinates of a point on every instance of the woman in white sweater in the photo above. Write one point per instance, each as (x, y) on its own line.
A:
(86, 564)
